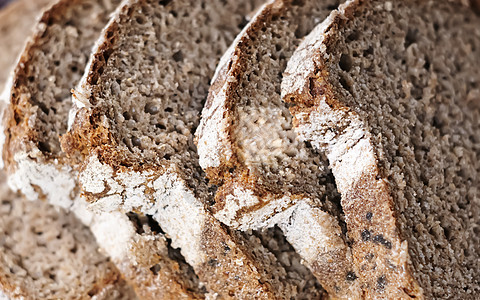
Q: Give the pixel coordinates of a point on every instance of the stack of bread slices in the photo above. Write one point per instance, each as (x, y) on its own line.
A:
(240, 149)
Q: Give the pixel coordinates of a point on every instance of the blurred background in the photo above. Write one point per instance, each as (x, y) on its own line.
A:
(3, 2)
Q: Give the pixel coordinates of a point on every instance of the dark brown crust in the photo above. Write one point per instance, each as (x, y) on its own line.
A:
(233, 171)
(81, 137)
(19, 135)
(368, 204)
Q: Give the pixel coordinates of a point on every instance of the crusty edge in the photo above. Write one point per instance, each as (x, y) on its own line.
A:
(249, 205)
(329, 125)
(77, 140)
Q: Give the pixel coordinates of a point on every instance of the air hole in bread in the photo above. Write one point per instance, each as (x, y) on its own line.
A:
(411, 37)
(152, 108)
(345, 62)
(178, 56)
(164, 2)
(140, 20)
(345, 83)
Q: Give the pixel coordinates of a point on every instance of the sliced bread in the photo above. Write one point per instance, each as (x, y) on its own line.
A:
(247, 146)
(39, 94)
(46, 253)
(132, 124)
(390, 90)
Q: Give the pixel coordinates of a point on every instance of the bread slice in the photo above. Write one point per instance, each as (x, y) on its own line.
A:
(134, 115)
(36, 236)
(390, 90)
(37, 115)
(46, 253)
(15, 33)
(247, 146)
(39, 98)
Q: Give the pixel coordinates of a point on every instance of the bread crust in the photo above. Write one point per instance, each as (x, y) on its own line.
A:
(21, 154)
(352, 158)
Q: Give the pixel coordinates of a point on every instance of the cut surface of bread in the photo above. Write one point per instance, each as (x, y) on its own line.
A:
(14, 33)
(247, 145)
(46, 253)
(390, 90)
(49, 67)
(135, 113)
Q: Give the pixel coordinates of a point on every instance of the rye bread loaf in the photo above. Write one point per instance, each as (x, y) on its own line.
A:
(37, 114)
(14, 33)
(46, 253)
(247, 146)
(135, 113)
(390, 90)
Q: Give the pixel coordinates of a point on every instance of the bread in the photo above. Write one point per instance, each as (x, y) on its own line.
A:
(37, 114)
(46, 253)
(39, 98)
(15, 33)
(390, 91)
(247, 146)
(135, 111)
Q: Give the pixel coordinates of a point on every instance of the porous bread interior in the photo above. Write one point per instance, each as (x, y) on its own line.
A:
(153, 102)
(50, 69)
(47, 253)
(413, 79)
(266, 143)
(306, 283)
(13, 33)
